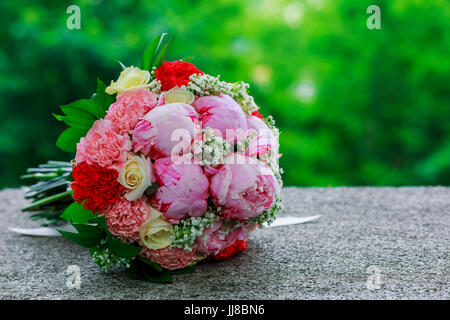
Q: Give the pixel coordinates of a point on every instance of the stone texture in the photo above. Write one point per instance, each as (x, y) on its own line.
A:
(405, 232)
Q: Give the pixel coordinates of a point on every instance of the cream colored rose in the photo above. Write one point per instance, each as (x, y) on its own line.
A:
(130, 78)
(156, 232)
(136, 175)
(178, 95)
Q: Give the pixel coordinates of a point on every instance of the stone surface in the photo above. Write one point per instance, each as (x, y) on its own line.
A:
(404, 232)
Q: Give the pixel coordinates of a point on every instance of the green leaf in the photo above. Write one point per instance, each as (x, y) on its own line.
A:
(84, 121)
(87, 105)
(100, 222)
(122, 65)
(150, 274)
(152, 189)
(80, 116)
(155, 266)
(77, 213)
(151, 51)
(122, 249)
(101, 97)
(67, 141)
(77, 115)
(163, 277)
(133, 271)
(160, 57)
(83, 238)
(141, 270)
(88, 229)
(187, 58)
(92, 250)
(186, 270)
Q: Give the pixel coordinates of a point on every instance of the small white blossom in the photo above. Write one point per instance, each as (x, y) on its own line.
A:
(203, 85)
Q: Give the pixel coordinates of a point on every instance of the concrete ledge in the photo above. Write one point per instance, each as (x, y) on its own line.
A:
(404, 232)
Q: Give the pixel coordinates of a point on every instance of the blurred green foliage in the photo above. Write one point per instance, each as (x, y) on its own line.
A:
(355, 106)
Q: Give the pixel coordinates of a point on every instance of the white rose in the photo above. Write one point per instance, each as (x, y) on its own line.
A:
(176, 94)
(156, 232)
(130, 78)
(136, 175)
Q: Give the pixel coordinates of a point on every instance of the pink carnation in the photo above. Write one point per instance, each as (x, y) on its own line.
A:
(125, 217)
(183, 189)
(220, 236)
(130, 106)
(104, 147)
(175, 258)
(243, 187)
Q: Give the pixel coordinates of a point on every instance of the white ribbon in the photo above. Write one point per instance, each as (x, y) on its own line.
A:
(44, 231)
(52, 232)
(286, 221)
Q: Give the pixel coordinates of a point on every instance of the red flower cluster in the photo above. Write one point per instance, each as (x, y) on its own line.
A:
(230, 251)
(257, 114)
(176, 73)
(95, 184)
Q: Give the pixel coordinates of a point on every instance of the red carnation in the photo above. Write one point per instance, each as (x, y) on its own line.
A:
(95, 184)
(257, 114)
(176, 73)
(230, 251)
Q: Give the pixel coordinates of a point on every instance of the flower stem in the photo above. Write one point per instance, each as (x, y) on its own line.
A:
(42, 202)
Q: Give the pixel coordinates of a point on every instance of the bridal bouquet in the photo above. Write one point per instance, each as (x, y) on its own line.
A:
(172, 166)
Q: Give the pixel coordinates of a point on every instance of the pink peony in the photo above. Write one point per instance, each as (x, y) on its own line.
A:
(124, 217)
(221, 113)
(243, 187)
(263, 140)
(220, 236)
(183, 190)
(175, 258)
(104, 147)
(153, 135)
(130, 106)
(211, 170)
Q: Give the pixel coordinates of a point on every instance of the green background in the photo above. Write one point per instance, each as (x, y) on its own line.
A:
(355, 106)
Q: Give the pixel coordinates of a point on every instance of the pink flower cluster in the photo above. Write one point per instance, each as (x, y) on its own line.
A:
(125, 217)
(220, 236)
(139, 125)
(129, 107)
(102, 146)
(243, 190)
(170, 259)
(183, 190)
